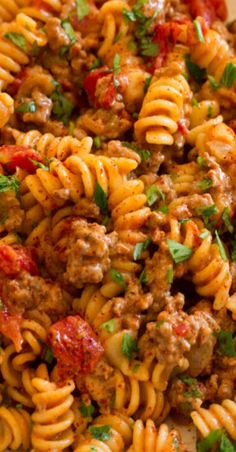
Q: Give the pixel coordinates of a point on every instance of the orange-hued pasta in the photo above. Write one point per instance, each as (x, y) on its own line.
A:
(117, 225)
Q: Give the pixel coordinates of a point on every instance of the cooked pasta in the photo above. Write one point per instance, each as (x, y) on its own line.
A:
(117, 225)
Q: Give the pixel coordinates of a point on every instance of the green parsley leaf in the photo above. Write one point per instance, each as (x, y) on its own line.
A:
(139, 248)
(86, 410)
(9, 183)
(159, 323)
(209, 111)
(195, 102)
(206, 213)
(226, 445)
(196, 72)
(96, 63)
(129, 15)
(143, 278)
(205, 184)
(97, 142)
(233, 252)
(116, 64)
(82, 8)
(48, 355)
(100, 198)
(19, 406)
(213, 83)
(93, 449)
(136, 368)
(35, 49)
(148, 48)
(153, 194)
(203, 234)
(164, 209)
(40, 165)
(229, 75)
(226, 219)
(102, 433)
(206, 444)
(109, 326)
(71, 128)
(194, 392)
(201, 161)
(147, 82)
(184, 220)
(175, 443)
(170, 275)
(221, 247)
(1, 305)
(144, 154)
(27, 107)
(118, 278)
(179, 252)
(118, 36)
(128, 346)
(198, 31)
(62, 107)
(227, 346)
(188, 380)
(18, 39)
(67, 27)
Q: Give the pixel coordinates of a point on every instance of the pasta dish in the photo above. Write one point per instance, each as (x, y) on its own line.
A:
(117, 225)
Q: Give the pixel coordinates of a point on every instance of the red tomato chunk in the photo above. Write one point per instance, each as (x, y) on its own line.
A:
(75, 346)
(17, 259)
(13, 156)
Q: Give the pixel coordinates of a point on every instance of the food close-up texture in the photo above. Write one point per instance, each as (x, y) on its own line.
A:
(117, 225)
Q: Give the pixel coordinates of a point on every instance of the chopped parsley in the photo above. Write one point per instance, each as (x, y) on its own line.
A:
(164, 209)
(19, 406)
(147, 82)
(179, 252)
(118, 278)
(226, 219)
(102, 433)
(48, 355)
(198, 31)
(221, 247)
(192, 383)
(153, 194)
(97, 142)
(18, 39)
(195, 102)
(159, 323)
(206, 213)
(226, 343)
(213, 83)
(109, 326)
(100, 198)
(204, 234)
(229, 75)
(9, 183)
(82, 8)
(128, 346)
(139, 248)
(201, 161)
(67, 27)
(144, 154)
(86, 410)
(62, 106)
(95, 64)
(170, 275)
(116, 69)
(205, 184)
(148, 48)
(143, 278)
(196, 72)
(39, 165)
(1, 305)
(27, 107)
(129, 15)
(216, 440)
(209, 111)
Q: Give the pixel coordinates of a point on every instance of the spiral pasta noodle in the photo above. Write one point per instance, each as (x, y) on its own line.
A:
(162, 109)
(15, 429)
(216, 416)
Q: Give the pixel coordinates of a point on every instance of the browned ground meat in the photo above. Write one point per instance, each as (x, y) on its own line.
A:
(11, 214)
(28, 292)
(58, 38)
(180, 336)
(104, 123)
(82, 256)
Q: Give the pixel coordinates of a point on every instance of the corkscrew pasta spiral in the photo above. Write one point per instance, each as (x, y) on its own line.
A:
(216, 417)
(14, 429)
(162, 109)
(53, 416)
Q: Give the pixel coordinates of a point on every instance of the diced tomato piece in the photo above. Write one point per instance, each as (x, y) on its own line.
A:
(14, 87)
(182, 329)
(91, 79)
(109, 96)
(17, 259)
(75, 346)
(10, 327)
(208, 9)
(182, 128)
(13, 156)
